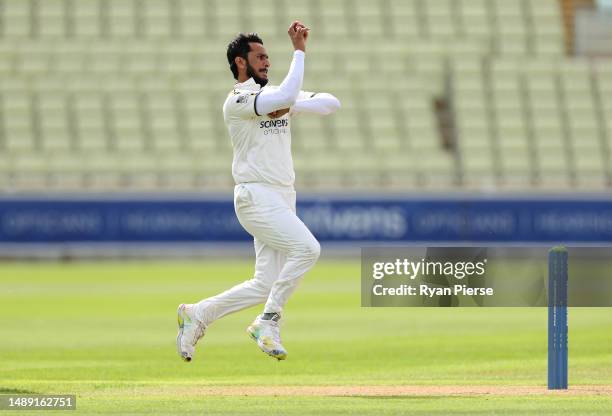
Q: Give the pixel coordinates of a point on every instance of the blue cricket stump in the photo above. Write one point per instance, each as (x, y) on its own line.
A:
(557, 318)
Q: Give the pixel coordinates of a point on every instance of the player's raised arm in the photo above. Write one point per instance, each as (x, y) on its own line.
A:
(320, 103)
(268, 101)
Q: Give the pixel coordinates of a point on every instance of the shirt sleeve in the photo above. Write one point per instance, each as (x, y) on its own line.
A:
(241, 104)
(304, 95)
(320, 103)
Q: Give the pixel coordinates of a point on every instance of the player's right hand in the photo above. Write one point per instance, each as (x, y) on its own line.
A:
(298, 33)
(278, 113)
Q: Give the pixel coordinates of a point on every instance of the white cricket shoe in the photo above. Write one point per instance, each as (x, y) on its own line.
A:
(267, 335)
(190, 331)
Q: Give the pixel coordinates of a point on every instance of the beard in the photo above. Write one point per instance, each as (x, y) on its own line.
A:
(252, 74)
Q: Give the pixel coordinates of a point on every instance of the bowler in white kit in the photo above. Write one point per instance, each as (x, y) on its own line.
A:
(258, 118)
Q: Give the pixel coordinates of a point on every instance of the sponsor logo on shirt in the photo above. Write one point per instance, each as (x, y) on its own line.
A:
(277, 126)
(281, 122)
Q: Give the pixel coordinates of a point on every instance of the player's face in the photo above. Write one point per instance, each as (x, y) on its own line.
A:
(258, 63)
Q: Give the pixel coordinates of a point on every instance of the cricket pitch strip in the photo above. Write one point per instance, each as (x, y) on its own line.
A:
(379, 391)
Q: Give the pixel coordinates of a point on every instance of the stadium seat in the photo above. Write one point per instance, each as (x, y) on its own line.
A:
(476, 19)
(16, 22)
(334, 19)
(157, 19)
(370, 21)
(30, 171)
(298, 10)
(87, 20)
(441, 23)
(192, 18)
(120, 19)
(403, 20)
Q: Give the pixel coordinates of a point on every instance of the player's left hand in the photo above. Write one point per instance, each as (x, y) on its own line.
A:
(278, 113)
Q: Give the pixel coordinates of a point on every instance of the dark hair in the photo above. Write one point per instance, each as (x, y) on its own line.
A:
(240, 47)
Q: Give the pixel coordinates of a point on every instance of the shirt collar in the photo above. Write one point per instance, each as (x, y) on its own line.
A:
(249, 84)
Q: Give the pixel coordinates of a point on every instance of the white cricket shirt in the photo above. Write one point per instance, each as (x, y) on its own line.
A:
(262, 146)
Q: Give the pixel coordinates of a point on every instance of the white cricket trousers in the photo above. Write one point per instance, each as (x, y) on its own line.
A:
(285, 250)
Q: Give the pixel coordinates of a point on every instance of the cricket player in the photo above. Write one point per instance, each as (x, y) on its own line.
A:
(258, 118)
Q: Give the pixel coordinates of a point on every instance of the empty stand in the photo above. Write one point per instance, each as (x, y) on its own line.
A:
(127, 94)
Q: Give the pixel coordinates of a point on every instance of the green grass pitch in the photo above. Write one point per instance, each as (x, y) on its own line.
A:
(106, 332)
